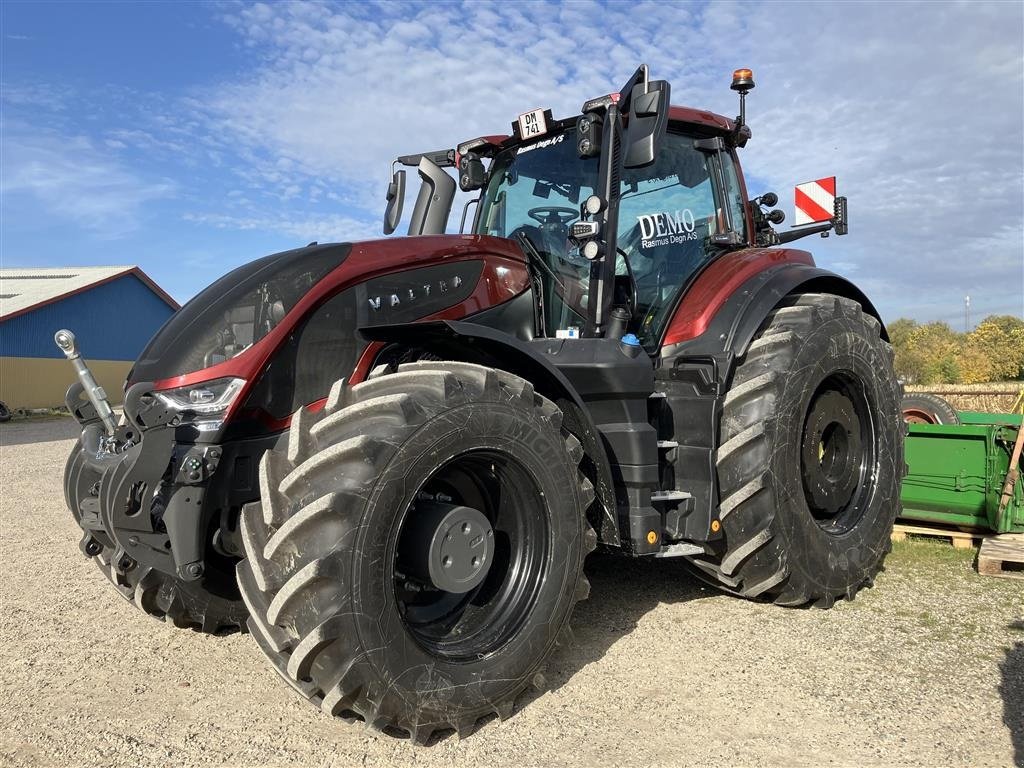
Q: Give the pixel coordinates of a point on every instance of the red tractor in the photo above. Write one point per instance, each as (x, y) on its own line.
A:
(390, 459)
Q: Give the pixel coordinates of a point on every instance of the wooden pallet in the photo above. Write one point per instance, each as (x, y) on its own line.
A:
(959, 539)
(1002, 556)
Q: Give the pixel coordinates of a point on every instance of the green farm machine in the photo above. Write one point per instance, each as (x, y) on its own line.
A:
(964, 473)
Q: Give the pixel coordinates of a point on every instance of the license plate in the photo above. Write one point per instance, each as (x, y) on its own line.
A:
(532, 124)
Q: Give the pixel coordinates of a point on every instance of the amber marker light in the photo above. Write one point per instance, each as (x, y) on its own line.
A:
(652, 537)
(742, 80)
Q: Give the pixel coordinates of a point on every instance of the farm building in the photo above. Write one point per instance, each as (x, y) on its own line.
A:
(112, 310)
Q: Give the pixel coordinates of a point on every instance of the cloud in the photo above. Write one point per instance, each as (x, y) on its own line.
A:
(45, 96)
(329, 228)
(71, 178)
(923, 130)
(923, 133)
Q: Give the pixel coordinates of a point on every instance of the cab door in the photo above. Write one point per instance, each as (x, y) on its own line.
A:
(675, 216)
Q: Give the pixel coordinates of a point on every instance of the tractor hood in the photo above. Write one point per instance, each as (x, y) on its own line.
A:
(233, 326)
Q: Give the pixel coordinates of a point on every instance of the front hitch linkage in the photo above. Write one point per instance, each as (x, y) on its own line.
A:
(97, 395)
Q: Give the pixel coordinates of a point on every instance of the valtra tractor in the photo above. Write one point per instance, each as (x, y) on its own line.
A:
(390, 459)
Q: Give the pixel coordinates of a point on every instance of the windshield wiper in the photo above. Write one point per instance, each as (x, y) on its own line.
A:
(534, 255)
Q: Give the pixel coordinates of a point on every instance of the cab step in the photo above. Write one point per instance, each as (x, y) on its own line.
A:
(669, 497)
(679, 550)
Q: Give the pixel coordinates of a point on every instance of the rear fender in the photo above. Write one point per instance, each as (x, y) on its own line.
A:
(471, 343)
(735, 324)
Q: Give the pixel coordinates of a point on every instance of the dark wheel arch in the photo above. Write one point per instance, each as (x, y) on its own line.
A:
(734, 326)
(467, 342)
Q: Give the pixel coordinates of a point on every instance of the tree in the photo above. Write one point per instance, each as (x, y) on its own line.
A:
(935, 346)
(909, 362)
(935, 354)
(993, 351)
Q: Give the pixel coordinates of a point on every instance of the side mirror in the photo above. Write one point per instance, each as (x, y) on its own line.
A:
(647, 121)
(396, 199)
(434, 203)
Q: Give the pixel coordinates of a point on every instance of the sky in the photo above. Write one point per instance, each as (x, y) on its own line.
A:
(190, 137)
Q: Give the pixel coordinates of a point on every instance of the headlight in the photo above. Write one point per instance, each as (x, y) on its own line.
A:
(203, 404)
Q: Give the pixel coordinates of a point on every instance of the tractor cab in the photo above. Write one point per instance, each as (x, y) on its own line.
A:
(670, 220)
(618, 210)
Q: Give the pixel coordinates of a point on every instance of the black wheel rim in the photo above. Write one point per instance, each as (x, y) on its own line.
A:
(838, 453)
(472, 625)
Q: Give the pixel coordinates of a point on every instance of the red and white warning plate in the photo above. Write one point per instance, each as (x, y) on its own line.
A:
(815, 201)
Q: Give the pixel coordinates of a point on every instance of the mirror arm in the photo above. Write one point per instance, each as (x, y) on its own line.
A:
(442, 158)
(640, 76)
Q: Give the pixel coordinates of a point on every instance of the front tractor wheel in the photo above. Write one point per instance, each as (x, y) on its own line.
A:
(811, 457)
(418, 547)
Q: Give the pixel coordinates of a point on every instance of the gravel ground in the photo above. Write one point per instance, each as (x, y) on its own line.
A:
(927, 668)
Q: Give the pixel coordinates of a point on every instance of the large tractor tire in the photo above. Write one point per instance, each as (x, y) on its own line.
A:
(811, 457)
(211, 605)
(418, 547)
(926, 408)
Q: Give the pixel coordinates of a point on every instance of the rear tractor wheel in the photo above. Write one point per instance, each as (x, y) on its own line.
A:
(418, 547)
(811, 457)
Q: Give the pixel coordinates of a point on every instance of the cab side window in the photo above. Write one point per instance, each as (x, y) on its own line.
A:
(734, 196)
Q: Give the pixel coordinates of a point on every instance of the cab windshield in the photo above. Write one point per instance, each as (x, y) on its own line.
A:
(667, 214)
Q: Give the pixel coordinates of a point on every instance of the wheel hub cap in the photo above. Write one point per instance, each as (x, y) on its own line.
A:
(453, 546)
(831, 453)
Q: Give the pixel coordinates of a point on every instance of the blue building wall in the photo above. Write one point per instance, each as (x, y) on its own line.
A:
(112, 321)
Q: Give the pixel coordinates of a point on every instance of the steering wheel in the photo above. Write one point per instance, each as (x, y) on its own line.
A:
(555, 214)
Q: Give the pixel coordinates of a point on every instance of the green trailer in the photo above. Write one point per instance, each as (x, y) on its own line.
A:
(956, 474)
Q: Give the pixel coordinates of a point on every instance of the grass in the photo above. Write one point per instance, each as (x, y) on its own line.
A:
(952, 571)
(923, 550)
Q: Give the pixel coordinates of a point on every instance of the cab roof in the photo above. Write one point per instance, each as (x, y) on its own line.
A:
(700, 117)
(488, 145)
